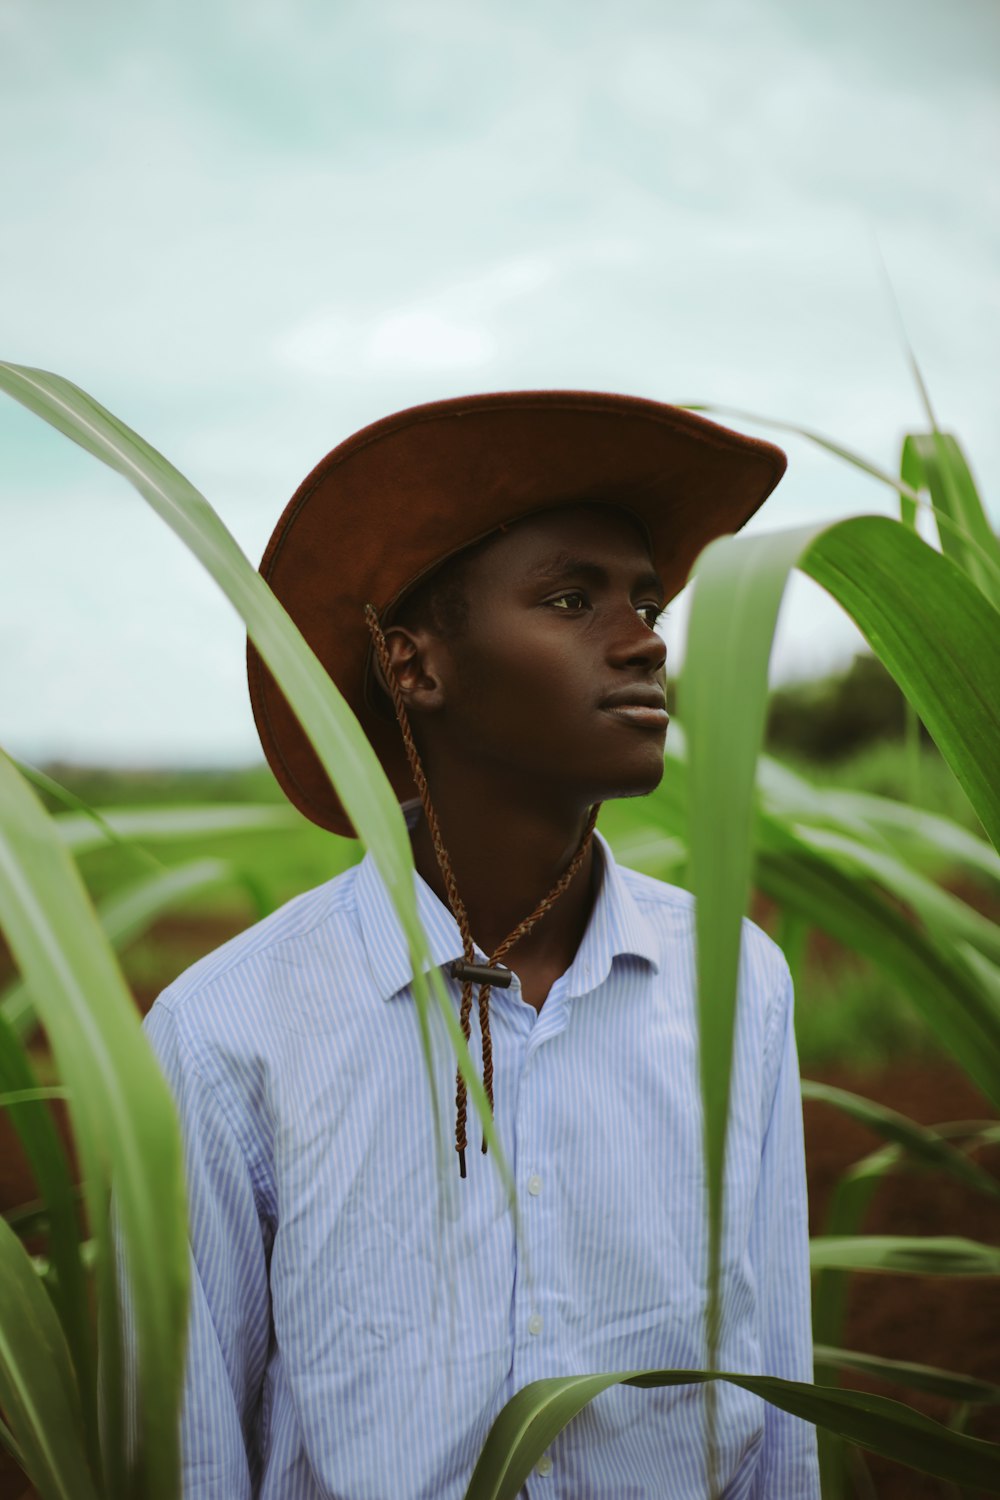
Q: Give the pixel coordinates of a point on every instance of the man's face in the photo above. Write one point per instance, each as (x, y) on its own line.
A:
(558, 679)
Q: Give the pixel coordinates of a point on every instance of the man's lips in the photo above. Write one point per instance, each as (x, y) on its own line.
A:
(641, 704)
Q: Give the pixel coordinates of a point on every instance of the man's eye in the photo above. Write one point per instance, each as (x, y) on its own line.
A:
(567, 601)
(651, 613)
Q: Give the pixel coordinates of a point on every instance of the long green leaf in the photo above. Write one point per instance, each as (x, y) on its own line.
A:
(930, 628)
(919, 1141)
(936, 633)
(123, 1116)
(907, 486)
(126, 914)
(69, 799)
(948, 983)
(935, 460)
(911, 1255)
(31, 1095)
(337, 737)
(538, 1413)
(829, 445)
(940, 628)
(849, 1201)
(729, 643)
(948, 917)
(8, 1442)
(938, 981)
(37, 1388)
(966, 941)
(946, 1383)
(914, 831)
(45, 1155)
(79, 832)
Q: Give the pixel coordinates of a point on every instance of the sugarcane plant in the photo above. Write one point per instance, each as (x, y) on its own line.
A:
(88, 1412)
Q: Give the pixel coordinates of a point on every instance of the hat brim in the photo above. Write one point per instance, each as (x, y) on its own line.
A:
(396, 499)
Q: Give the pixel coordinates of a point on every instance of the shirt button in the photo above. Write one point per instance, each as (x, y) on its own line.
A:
(534, 1185)
(535, 1323)
(544, 1465)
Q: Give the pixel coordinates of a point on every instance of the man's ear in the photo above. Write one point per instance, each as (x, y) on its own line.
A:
(415, 655)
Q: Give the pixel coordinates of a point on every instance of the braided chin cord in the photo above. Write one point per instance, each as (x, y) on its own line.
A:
(455, 900)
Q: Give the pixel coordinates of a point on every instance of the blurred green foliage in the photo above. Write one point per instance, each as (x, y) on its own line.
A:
(830, 718)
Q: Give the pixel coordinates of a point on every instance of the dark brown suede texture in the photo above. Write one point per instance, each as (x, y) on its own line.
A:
(392, 502)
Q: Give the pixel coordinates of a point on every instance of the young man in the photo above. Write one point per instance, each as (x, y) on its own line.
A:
(348, 1340)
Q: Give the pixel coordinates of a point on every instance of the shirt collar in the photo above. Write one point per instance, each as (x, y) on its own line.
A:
(617, 926)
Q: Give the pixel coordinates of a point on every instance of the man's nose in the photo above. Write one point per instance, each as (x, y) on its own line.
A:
(635, 644)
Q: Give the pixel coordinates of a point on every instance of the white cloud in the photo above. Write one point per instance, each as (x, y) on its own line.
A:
(423, 338)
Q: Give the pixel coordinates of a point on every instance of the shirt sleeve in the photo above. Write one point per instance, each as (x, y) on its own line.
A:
(788, 1464)
(229, 1328)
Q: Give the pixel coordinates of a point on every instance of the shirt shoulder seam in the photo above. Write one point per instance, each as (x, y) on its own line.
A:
(178, 994)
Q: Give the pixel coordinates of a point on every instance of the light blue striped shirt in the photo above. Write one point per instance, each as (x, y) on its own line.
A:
(358, 1320)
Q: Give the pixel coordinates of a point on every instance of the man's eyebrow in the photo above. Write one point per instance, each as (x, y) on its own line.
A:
(564, 563)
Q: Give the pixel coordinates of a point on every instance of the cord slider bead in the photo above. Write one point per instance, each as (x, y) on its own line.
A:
(497, 978)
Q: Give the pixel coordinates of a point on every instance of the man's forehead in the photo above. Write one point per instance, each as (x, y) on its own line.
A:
(559, 536)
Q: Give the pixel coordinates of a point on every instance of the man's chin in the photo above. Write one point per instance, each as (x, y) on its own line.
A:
(644, 781)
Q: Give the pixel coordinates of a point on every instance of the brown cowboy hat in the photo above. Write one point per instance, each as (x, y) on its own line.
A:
(393, 502)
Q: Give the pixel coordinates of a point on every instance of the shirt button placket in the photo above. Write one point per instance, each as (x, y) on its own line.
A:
(531, 1315)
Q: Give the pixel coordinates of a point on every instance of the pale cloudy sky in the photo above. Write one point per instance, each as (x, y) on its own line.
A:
(250, 226)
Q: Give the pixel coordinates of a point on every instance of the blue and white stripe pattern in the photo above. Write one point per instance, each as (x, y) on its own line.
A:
(359, 1317)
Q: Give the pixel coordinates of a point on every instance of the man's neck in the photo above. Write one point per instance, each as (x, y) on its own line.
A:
(505, 859)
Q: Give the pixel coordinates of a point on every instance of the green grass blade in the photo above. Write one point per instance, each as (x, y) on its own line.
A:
(128, 913)
(984, 549)
(985, 970)
(968, 503)
(918, 1141)
(366, 794)
(171, 824)
(723, 691)
(929, 625)
(30, 1095)
(916, 1255)
(935, 461)
(36, 1130)
(335, 734)
(8, 1442)
(938, 981)
(950, 918)
(933, 633)
(946, 982)
(122, 1113)
(538, 1413)
(916, 833)
(936, 633)
(839, 450)
(33, 1217)
(849, 1203)
(929, 1378)
(55, 789)
(37, 1388)
(921, 836)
